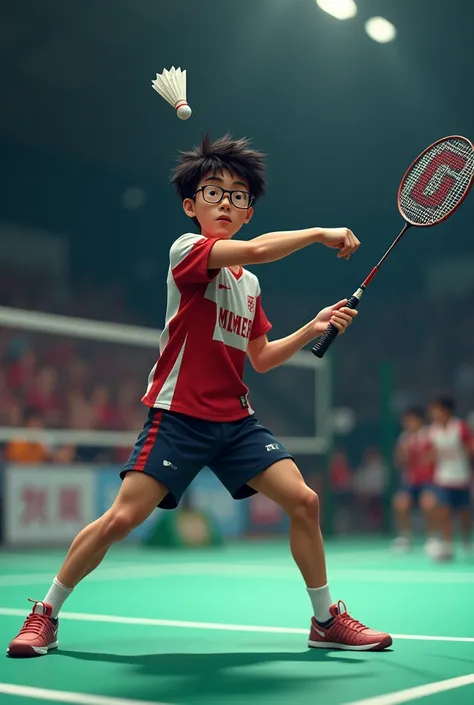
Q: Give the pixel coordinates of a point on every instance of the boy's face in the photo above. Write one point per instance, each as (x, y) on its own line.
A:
(439, 414)
(222, 219)
(412, 422)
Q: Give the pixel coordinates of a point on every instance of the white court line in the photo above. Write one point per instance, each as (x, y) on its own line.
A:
(421, 691)
(64, 696)
(153, 622)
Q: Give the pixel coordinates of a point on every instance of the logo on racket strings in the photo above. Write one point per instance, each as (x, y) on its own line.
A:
(435, 184)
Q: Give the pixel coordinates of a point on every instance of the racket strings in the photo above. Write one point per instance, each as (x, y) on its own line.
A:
(437, 181)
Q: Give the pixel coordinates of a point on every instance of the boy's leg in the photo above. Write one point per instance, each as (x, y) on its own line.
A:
(444, 521)
(167, 456)
(402, 504)
(252, 460)
(465, 519)
(464, 511)
(428, 507)
(137, 498)
(283, 483)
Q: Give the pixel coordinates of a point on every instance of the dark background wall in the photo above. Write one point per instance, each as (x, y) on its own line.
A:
(339, 116)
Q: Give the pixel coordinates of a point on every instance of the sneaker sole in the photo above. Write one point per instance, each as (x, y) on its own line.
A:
(379, 646)
(28, 651)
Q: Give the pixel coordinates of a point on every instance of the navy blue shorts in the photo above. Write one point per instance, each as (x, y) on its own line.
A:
(174, 447)
(415, 491)
(454, 497)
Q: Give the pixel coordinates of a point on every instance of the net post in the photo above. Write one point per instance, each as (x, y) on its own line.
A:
(324, 429)
(387, 437)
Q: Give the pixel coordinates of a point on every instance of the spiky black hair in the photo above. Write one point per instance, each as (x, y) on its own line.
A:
(446, 402)
(227, 153)
(415, 410)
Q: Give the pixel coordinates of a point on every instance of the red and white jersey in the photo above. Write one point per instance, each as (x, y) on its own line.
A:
(416, 450)
(452, 448)
(210, 317)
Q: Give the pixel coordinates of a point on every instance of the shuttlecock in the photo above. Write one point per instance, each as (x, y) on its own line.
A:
(171, 85)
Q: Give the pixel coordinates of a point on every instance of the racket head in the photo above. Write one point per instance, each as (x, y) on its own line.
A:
(437, 182)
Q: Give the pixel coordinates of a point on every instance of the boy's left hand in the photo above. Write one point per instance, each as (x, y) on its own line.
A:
(338, 314)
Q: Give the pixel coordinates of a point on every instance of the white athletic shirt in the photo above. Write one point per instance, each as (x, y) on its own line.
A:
(451, 443)
(210, 317)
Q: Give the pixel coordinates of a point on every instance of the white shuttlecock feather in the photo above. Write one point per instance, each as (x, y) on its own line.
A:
(171, 85)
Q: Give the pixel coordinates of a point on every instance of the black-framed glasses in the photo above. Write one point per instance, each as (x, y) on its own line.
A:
(215, 194)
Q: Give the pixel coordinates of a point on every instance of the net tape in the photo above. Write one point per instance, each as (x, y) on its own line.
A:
(437, 182)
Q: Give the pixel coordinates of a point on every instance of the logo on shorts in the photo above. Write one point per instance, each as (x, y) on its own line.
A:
(272, 446)
(169, 464)
(251, 303)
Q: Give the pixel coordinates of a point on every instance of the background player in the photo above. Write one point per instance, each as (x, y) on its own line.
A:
(414, 459)
(199, 411)
(453, 447)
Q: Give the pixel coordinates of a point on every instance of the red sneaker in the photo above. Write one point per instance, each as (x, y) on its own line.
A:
(38, 634)
(346, 633)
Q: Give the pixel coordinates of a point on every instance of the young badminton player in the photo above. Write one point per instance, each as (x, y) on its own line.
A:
(199, 410)
(453, 450)
(414, 459)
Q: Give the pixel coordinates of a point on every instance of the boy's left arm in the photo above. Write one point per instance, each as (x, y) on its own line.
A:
(467, 439)
(265, 355)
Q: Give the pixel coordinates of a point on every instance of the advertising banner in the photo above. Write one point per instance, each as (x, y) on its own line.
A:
(50, 504)
(46, 504)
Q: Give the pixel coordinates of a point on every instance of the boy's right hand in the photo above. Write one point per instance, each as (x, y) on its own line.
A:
(341, 239)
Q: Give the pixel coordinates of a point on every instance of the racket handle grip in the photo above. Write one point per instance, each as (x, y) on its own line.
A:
(321, 346)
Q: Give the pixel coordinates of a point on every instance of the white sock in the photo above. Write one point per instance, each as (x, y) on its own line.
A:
(57, 596)
(321, 601)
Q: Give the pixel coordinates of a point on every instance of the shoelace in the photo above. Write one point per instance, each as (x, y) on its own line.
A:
(35, 623)
(347, 620)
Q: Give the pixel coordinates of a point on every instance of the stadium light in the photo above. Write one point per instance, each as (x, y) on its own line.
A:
(340, 9)
(380, 30)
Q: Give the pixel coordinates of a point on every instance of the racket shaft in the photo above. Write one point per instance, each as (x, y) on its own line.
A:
(323, 343)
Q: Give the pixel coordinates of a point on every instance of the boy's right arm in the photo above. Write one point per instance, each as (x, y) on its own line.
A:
(274, 246)
(400, 455)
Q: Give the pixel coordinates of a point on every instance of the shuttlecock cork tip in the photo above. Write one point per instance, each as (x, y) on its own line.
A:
(183, 111)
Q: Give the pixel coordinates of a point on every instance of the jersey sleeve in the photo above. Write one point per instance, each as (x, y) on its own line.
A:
(188, 260)
(261, 325)
(466, 436)
(400, 450)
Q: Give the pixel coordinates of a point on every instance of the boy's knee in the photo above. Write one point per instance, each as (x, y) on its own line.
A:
(306, 507)
(401, 502)
(118, 524)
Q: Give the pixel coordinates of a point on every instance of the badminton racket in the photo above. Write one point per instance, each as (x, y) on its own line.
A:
(433, 187)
